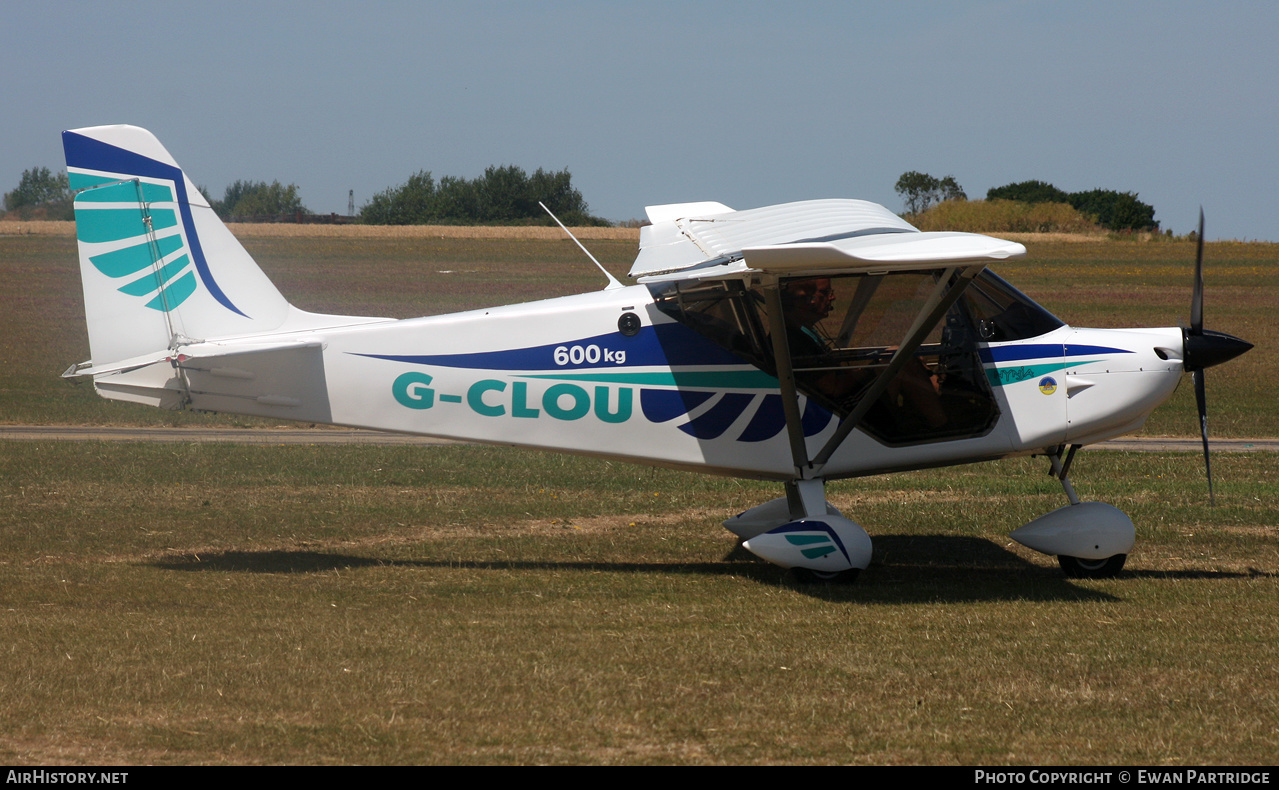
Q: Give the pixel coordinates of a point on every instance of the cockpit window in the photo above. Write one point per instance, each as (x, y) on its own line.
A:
(1001, 312)
(841, 333)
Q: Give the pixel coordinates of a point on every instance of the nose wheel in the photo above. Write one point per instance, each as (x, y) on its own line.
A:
(809, 576)
(1080, 568)
(1091, 540)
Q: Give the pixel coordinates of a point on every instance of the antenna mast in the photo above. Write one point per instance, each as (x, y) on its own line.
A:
(612, 281)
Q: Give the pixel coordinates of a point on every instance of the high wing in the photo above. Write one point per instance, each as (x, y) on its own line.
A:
(807, 237)
(785, 266)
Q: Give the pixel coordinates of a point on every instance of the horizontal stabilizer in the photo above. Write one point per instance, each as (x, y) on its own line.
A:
(286, 381)
(282, 380)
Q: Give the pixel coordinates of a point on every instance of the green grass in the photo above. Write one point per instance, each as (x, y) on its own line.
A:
(458, 604)
(221, 604)
(1105, 284)
(42, 328)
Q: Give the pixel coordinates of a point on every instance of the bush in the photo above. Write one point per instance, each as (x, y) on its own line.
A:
(1116, 210)
(1004, 216)
(1028, 192)
(245, 201)
(1110, 209)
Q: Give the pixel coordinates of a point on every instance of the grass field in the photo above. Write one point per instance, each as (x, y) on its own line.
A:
(1086, 283)
(223, 604)
(464, 604)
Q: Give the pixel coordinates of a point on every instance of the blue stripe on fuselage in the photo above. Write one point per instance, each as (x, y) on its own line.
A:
(1044, 351)
(664, 345)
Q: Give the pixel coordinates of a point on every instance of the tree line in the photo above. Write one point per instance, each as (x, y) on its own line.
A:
(505, 195)
(249, 201)
(508, 195)
(40, 194)
(44, 194)
(1118, 211)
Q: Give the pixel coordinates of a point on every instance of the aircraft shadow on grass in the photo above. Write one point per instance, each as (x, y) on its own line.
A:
(907, 568)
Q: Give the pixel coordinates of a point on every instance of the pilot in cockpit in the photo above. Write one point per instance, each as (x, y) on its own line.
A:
(805, 304)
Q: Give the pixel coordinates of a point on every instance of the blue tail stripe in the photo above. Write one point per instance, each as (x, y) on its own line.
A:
(127, 192)
(78, 181)
(113, 224)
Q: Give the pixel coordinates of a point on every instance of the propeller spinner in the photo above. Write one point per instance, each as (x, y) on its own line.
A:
(1204, 348)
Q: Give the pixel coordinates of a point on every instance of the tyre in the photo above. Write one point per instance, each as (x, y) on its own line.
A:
(1080, 568)
(809, 576)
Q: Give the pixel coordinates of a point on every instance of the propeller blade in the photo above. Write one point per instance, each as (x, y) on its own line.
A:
(1202, 349)
(1201, 401)
(1197, 296)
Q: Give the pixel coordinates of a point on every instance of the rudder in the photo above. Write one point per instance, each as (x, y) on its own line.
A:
(158, 268)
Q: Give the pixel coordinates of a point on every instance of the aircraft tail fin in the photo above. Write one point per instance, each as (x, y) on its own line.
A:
(157, 266)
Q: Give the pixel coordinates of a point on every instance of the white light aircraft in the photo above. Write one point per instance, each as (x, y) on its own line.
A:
(801, 343)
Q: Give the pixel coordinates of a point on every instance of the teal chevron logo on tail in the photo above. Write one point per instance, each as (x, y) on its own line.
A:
(133, 233)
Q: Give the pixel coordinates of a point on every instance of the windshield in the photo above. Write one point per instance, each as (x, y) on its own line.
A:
(841, 332)
(1004, 313)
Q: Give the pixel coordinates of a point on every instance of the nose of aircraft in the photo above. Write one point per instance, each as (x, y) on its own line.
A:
(1206, 348)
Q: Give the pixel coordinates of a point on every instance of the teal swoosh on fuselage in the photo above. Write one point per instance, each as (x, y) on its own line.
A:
(1013, 374)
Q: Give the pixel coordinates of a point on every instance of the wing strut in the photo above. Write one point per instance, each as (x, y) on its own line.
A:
(786, 376)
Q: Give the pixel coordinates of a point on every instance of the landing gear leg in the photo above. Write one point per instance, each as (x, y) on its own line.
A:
(1080, 567)
(1061, 470)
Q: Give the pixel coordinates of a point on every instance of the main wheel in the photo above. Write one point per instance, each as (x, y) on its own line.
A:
(810, 576)
(1080, 568)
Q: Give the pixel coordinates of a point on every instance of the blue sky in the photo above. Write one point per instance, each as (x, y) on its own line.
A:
(745, 103)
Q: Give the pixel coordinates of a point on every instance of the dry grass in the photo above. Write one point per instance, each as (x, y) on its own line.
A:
(463, 605)
(1054, 238)
(1098, 282)
(260, 230)
(16, 227)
